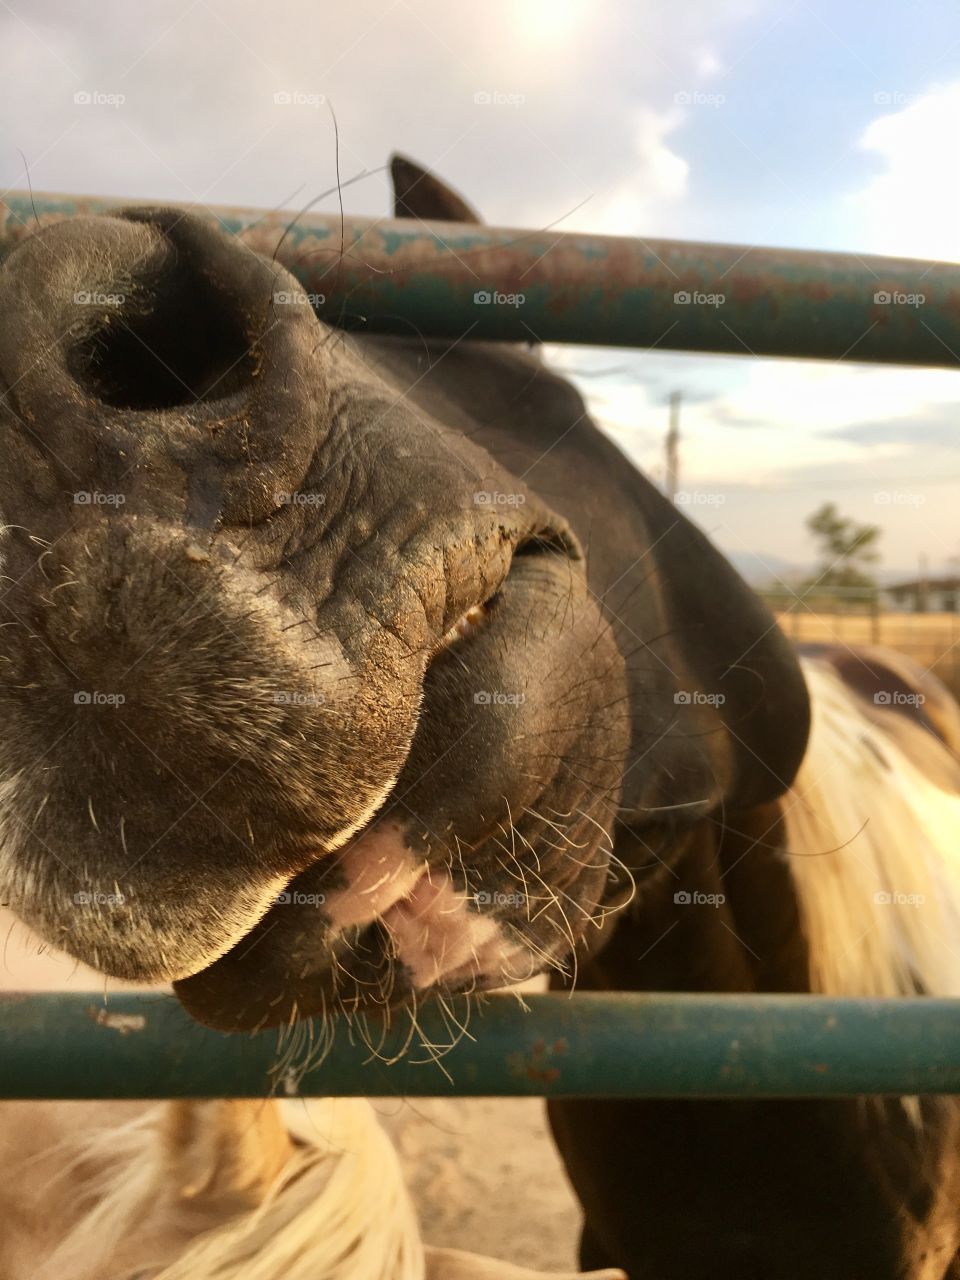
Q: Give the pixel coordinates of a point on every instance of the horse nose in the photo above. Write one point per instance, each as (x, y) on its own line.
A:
(155, 347)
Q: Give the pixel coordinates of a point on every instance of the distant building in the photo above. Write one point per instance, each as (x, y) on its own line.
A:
(924, 595)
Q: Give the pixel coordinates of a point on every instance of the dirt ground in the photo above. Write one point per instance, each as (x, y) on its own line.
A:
(485, 1176)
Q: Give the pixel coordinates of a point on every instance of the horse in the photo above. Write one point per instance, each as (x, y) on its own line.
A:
(366, 670)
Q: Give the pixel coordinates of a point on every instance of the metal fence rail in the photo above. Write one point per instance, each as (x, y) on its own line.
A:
(586, 1045)
(449, 279)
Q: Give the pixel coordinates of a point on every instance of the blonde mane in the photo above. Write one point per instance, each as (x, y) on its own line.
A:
(339, 1208)
(874, 851)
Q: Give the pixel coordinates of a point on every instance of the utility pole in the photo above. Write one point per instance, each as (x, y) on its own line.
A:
(673, 447)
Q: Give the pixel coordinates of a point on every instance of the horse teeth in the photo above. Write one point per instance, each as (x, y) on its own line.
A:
(467, 624)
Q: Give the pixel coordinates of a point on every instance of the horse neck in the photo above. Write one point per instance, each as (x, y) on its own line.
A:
(714, 910)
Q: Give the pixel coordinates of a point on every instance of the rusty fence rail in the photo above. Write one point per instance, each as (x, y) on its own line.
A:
(586, 1045)
(447, 280)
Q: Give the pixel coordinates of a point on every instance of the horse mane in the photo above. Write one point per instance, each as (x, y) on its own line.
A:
(339, 1207)
(874, 849)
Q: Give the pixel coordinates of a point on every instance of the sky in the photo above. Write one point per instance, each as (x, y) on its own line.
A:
(823, 124)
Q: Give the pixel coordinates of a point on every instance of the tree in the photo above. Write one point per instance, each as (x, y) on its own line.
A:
(846, 549)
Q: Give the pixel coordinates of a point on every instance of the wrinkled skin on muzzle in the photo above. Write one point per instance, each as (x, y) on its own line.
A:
(306, 698)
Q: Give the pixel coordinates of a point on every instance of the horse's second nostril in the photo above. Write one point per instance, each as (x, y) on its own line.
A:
(170, 339)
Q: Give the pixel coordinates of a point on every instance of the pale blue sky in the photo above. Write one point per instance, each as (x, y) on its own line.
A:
(814, 124)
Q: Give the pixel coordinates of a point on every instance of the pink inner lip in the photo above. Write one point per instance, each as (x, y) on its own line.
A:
(379, 871)
(437, 933)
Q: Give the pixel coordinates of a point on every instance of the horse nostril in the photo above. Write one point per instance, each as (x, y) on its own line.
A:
(168, 340)
(155, 362)
(545, 542)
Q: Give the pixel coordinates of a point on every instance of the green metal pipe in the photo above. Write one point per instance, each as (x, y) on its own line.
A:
(446, 280)
(590, 1045)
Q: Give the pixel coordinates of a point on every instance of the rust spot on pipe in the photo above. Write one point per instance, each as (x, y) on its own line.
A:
(122, 1023)
(536, 1066)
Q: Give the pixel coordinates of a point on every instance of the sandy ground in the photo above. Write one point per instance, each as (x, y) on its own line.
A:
(485, 1176)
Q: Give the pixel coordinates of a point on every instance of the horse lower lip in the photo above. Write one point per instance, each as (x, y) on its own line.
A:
(394, 926)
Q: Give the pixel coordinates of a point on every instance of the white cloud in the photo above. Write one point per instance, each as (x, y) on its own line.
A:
(766, 439)
(912, 206)
(816, 398)
(560, 25)
(757, 421)
(657, 179)
(707, 63)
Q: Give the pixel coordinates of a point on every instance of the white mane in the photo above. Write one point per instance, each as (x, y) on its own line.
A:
(874, 850)
(339, 1210)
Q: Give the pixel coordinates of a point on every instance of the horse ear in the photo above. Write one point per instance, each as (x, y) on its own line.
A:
(418, 194)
